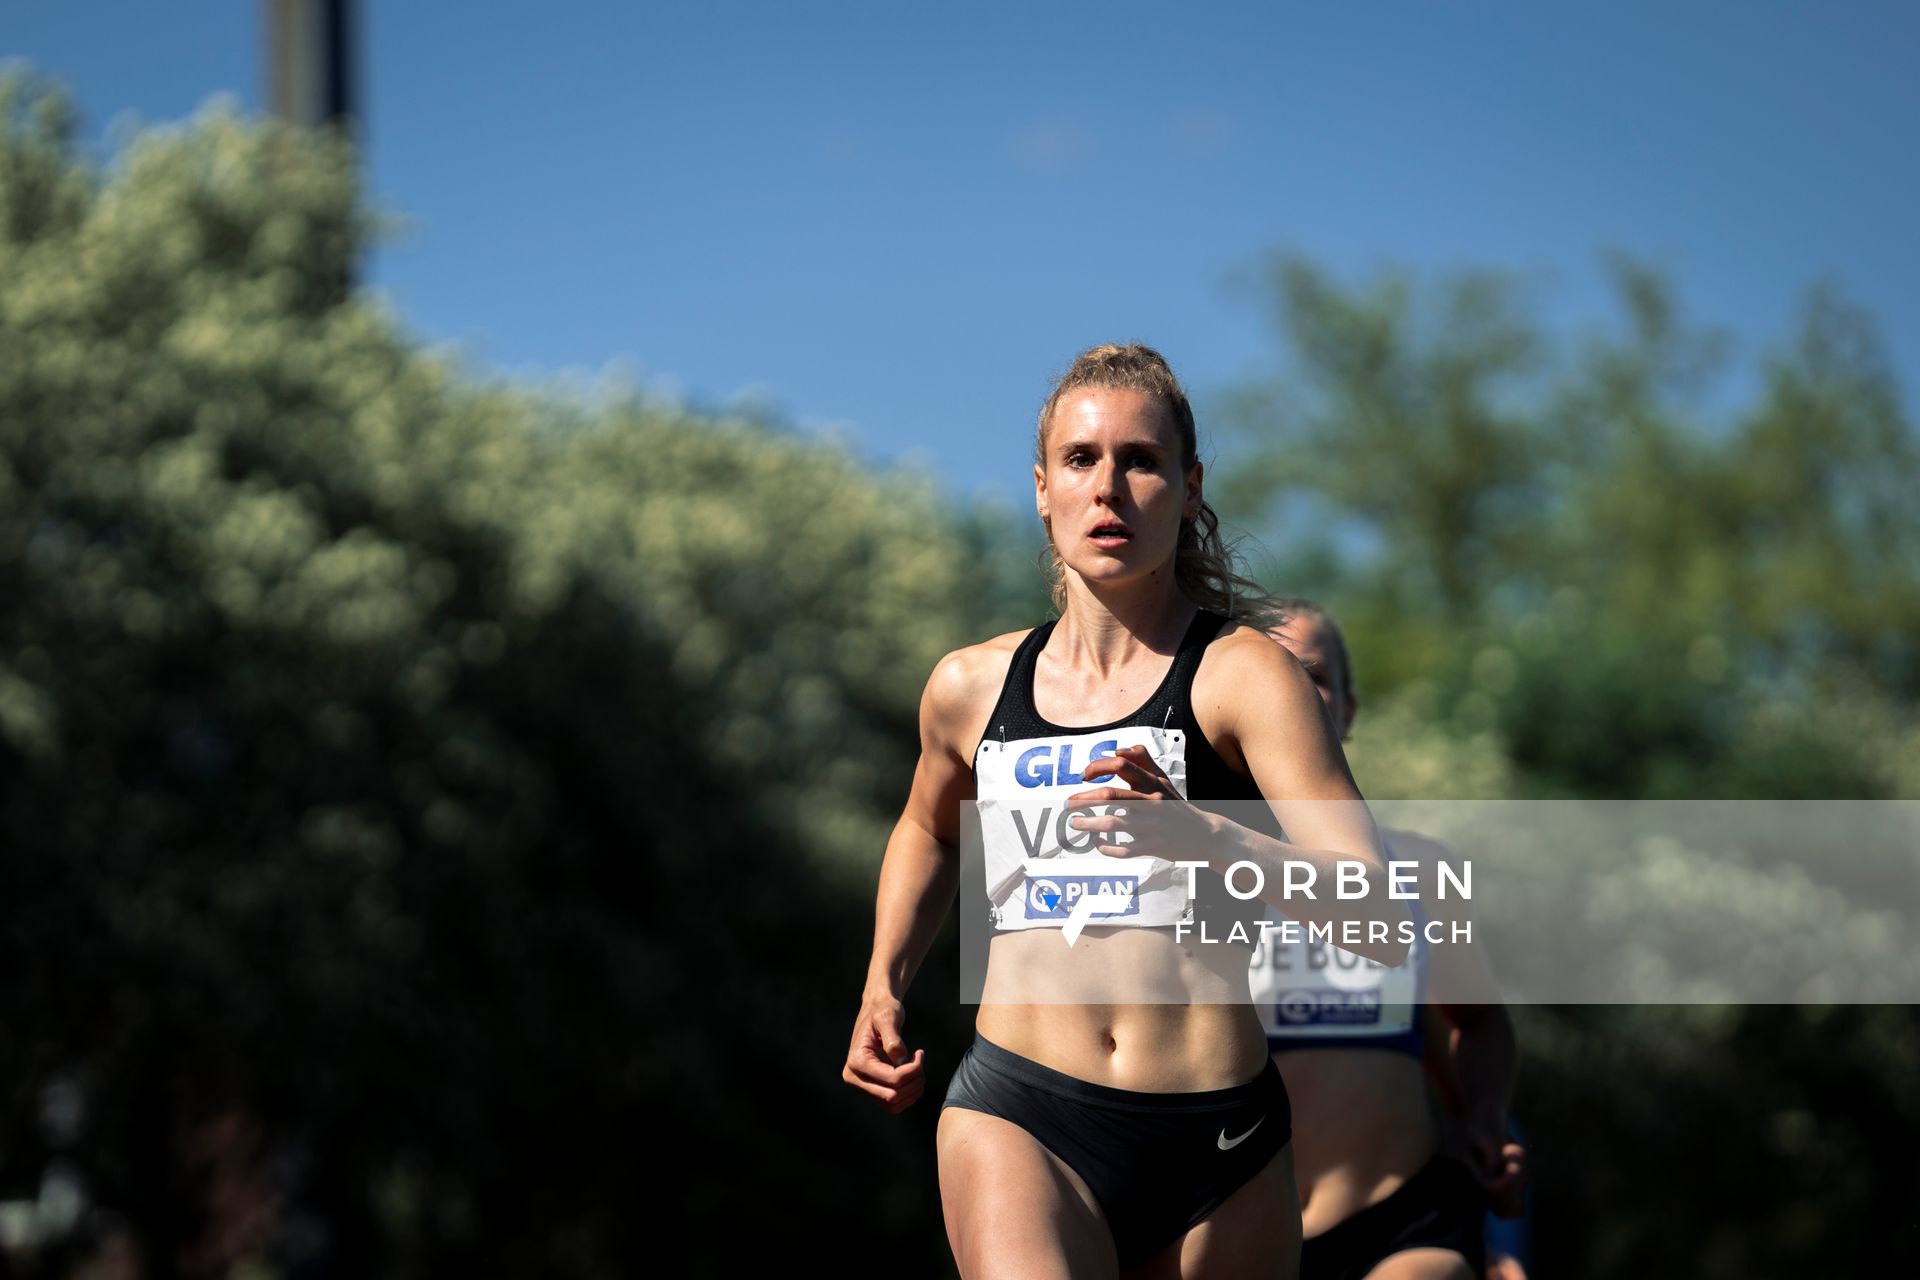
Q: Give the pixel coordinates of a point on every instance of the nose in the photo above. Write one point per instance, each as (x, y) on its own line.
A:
(1108, 486)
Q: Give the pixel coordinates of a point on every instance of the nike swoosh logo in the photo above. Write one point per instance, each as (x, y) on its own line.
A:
(1228, 1144)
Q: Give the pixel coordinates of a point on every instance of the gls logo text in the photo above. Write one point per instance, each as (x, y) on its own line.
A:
(1050, 766)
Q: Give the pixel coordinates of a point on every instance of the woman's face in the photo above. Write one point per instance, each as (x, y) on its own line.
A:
(1113, 489)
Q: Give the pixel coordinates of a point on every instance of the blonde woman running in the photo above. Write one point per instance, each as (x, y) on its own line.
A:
(1118, 1137)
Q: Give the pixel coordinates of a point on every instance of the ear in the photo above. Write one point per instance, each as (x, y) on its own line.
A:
(1194, 499)
(1040, 502)
(1346, 721)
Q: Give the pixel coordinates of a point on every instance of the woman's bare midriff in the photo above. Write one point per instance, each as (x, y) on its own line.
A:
(1126, 1008)
(1361, 1127)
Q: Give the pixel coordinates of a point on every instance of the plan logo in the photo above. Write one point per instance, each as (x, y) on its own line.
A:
(1328, 1008)
(1076, 900)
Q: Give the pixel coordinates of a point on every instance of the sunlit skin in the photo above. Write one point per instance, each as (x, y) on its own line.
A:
(1113, 456)
(1306, 639)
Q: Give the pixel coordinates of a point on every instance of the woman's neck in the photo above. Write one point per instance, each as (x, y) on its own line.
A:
(1105, 630)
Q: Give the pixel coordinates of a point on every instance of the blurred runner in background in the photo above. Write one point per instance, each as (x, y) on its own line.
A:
(1389, 1190)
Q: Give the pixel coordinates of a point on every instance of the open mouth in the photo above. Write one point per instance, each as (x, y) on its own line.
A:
(1109, 533)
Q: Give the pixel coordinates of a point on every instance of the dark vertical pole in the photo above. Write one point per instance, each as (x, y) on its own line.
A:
(340, 107)
(312, 76)
(310, 47)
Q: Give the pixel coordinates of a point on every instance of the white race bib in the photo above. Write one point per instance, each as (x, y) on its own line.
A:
(1308, 990)
(1038, 867)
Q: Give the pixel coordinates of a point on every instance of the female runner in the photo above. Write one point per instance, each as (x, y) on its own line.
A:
(1380, 1198)
(1144, 1133)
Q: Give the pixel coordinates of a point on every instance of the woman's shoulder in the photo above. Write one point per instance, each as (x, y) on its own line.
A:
(1241, 659)
(972, 675)
(1241, 644)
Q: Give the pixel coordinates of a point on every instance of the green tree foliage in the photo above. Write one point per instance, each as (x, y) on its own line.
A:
(462, 781)
(1564, 571)
(1467, 466)
(1567, 548)
(1721, 1140)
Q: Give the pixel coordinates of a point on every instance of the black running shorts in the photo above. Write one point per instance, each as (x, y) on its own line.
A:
(1157, 1163)
(1440, 1207)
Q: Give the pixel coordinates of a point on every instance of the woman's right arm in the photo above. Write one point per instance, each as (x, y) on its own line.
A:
(918, 879)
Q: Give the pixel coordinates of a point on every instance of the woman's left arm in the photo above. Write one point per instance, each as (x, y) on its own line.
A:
(1256, 703)
(1264, 703)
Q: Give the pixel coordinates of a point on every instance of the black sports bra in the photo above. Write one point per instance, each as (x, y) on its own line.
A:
(1042, 755)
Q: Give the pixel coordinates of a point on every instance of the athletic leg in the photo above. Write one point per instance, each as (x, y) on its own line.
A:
(1013, 1209)
(1255, 1232)
(1423, 1264)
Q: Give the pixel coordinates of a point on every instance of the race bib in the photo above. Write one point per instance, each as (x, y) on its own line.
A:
(1306, 990)
(1041, 872)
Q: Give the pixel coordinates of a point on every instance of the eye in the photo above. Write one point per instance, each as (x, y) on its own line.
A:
(1079, 458)
(1142, 461)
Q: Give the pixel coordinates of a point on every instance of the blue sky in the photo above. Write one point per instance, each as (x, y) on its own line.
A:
(901, 220)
